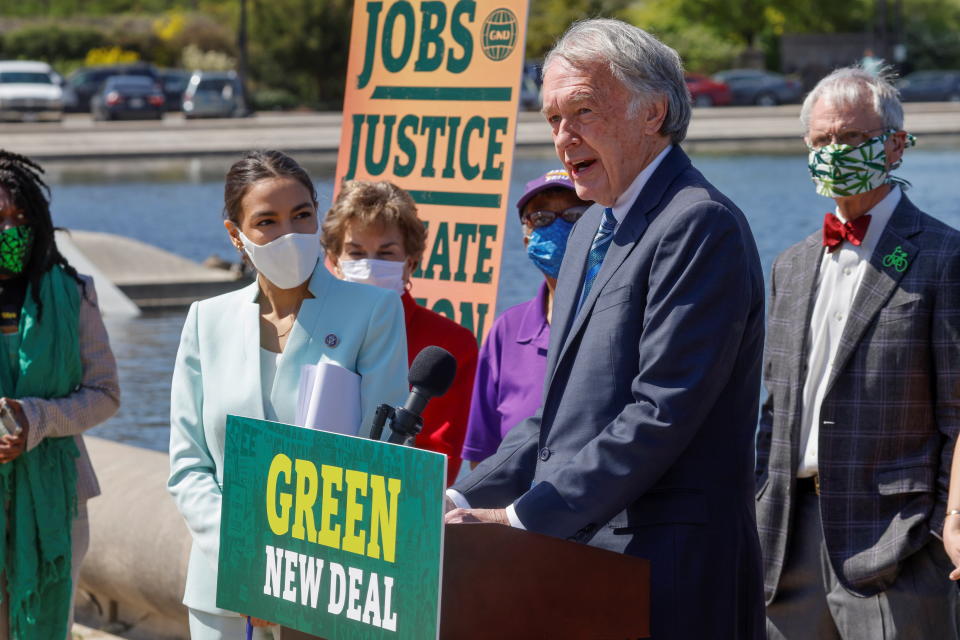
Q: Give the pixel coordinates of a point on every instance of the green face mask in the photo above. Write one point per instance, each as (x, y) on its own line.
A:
(15, 246)
(840, 170)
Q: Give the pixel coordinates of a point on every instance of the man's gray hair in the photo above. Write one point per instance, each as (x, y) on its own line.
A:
(850, 86)
(643, 64)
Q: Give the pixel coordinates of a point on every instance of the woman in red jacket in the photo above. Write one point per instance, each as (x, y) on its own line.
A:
(372, 235)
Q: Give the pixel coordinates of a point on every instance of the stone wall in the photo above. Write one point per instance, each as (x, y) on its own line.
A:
(132, 579)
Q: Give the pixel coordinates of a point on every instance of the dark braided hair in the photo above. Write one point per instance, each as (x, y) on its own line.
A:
(21, 177)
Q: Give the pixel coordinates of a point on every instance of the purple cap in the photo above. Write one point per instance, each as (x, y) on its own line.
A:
(549, 180)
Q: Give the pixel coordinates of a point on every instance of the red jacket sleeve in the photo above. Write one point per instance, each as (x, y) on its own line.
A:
(445, 419)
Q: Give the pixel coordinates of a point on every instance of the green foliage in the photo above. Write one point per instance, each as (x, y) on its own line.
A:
(548, 19)
(301, 47)
(51, 42)
(208, 33)
(701, 48)
(822, 16)
(273, 100)
(711, 34)
(194, 57)
(931, 27)
(133, 33)
(298, 48)
(70, 8)
(738, 20)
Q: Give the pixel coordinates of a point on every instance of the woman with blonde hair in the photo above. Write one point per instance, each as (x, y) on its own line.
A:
(372, 235)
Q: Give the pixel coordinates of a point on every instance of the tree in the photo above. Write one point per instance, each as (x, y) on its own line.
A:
(548, 19)
(930, 30)
(302, 46)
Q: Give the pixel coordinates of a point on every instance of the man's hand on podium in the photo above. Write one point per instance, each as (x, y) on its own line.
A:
(448, 504)
(461, 516)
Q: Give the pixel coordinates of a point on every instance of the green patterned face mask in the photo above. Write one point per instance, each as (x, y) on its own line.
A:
(15, 245)
(841, 170)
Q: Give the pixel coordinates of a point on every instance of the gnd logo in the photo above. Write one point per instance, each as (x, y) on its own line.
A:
(499, 34)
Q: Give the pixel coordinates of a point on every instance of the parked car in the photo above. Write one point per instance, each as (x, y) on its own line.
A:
(931, 86)
(128, 97)
(214, 94)
(530, 83)
(83, 83)
(28, 91)
(752, 86)
(706, 92)
(174, 83)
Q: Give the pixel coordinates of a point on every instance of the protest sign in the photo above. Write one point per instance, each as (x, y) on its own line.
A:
(333, 535)
(431, 105)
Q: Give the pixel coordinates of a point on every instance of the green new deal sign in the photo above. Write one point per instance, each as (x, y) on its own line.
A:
(333, 535)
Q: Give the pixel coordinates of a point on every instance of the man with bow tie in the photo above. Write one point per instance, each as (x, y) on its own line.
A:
(862, 370)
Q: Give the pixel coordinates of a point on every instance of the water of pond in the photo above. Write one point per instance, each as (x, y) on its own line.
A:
(178, 209)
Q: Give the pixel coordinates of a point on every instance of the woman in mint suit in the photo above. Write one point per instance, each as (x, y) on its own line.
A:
(241, 353)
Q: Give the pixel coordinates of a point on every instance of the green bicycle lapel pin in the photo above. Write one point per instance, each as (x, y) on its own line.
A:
(898, 259)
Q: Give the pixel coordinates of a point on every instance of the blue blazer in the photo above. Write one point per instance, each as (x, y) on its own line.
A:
(644, 443)
(217, 372)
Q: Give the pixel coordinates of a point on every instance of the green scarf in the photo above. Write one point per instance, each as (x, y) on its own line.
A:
(39, 488)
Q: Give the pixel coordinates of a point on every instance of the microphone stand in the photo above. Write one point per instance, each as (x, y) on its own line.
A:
(404, 424)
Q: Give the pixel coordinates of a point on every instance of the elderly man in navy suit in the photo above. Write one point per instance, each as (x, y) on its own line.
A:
(644, 442)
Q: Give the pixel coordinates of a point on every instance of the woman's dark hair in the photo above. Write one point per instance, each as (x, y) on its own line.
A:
(21, 177)
(257, 166)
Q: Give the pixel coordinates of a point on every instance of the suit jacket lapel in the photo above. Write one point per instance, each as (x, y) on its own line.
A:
(624, 240)
(571, 276)
(879, 281)
(250, 318)
(806, 269)
(309, 314)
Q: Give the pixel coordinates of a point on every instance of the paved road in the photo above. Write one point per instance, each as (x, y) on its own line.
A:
(78, 137)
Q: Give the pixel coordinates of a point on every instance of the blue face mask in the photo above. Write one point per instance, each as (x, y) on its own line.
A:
(547, 245)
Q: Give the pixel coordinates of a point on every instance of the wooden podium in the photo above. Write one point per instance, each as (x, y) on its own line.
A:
(504, 583)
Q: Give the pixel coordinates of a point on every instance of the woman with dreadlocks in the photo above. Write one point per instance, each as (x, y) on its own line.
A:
(58, 378)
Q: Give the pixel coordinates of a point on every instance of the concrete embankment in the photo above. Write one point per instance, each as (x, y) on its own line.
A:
(131, 583)
(129, 273)
(772, 129)
(83, 632)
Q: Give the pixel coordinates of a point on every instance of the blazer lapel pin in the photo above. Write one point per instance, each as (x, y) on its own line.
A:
(898, 259)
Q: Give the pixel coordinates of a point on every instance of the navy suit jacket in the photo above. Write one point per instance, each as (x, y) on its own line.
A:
(644, 442)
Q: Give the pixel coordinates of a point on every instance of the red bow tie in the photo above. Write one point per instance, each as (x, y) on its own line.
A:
(835, 232)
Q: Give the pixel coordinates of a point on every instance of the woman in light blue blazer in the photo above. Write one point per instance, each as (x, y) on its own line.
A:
(241, 353)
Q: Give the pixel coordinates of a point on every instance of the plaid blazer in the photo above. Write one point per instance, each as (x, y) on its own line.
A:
(891, 411)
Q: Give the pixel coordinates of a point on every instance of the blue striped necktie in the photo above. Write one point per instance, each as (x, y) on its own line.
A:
(601, 242)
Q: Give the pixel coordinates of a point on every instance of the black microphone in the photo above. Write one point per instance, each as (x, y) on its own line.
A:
(431, 375)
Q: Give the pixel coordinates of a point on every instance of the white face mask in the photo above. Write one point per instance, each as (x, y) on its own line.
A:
(386, 274)
(287, 261)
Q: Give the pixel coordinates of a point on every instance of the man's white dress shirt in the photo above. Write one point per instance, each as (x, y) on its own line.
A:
(620, 210)
(841, 273)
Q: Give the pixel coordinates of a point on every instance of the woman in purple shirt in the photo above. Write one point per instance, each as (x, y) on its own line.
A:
(513, 360)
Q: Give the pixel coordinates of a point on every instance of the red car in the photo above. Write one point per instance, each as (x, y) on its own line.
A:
(706, 92)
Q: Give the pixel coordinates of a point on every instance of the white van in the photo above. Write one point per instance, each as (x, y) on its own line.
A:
(29, 91)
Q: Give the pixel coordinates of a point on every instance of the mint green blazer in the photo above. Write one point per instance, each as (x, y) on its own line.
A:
(217, 372)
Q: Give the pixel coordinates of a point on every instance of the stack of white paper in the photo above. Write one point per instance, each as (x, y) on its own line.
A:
(329, 399)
